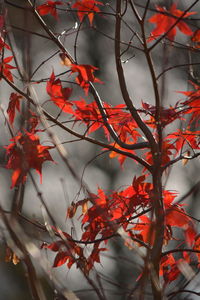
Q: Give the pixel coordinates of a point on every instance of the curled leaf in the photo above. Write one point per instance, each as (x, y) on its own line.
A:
(14, 104)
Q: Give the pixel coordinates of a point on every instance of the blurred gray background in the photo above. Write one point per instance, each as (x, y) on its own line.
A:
(119, 265)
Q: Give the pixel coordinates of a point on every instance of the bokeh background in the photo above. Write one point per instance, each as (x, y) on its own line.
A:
(119, 267)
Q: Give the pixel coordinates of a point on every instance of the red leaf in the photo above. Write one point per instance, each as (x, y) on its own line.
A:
(54, 246)
(175, 214)
(187, 137)
(67, 250)
(94, 256)
(90, 115)
(121, 158)
(3, 44)
(190, 234)
(101, 200)
(32, 121)
(107, 211)
(144, 228)
(165, 19)
(87, 8)
(196, 38)
(26, 152)
(49, 8)
(13, 105)
(197, 247)
(85, 75)
(5, 68)
(168, 150)
(140, 192)
(167, 115)
(193, 103)
(59, 95)
(60, 259)
(169, 269)
(121, 121)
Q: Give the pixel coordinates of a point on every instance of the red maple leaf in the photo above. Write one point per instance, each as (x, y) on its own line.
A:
(197, 246)
(5, 68)
(59, 95)
(175, 214)
(14, 104)
(123, 123)
(190, 234)
(165, 19)
(66, 250)
(168, 150)
(196, 38)
(49, 7)
(94, 256)
(169, 269)
(108, 210)
(3, 44)
(187, 137)
(101, 217)
(193, 103)
(24, 153)
(69, 252)
(87, 8)
(140, 192)
(144, 228)
(32, 121)
(121, 158)
(125, 202)
(167, 115)
(85, 75)
(90, 115)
